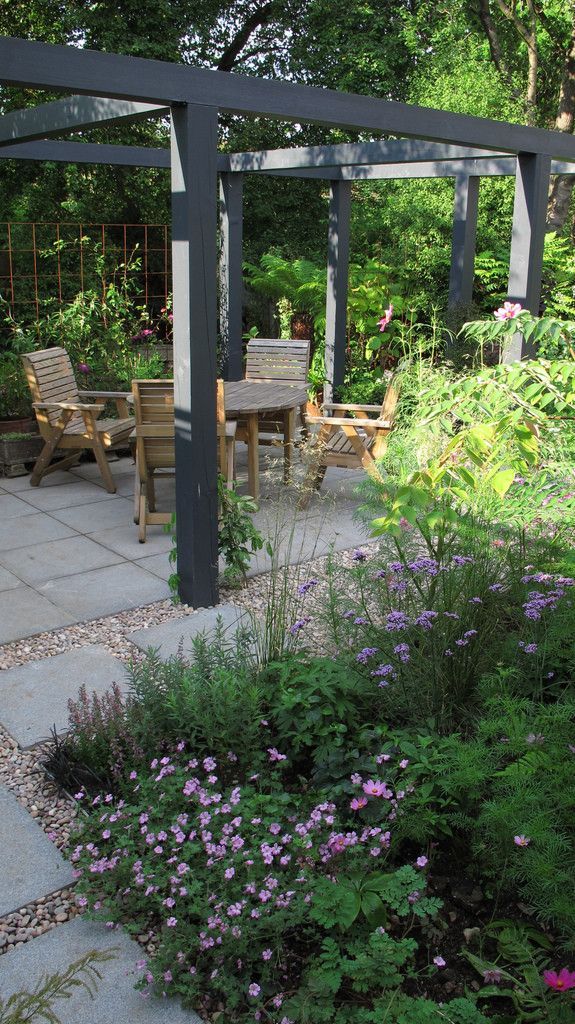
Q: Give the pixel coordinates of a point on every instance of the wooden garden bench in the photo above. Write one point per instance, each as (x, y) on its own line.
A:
(154, 436)
(348, 441)
(67, 420)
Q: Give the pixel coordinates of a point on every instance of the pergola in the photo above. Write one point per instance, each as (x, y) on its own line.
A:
(107, 88)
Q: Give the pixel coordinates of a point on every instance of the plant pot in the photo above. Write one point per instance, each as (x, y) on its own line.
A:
(15, 453)
(312, 409)
(22, 425)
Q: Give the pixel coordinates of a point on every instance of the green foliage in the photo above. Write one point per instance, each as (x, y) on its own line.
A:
(238, 537)
(38, 1004)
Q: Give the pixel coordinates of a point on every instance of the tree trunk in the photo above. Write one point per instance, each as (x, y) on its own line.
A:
(562, 184)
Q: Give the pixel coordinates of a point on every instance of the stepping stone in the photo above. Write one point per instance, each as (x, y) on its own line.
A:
(168, 636)
(34, 696)
(116, 1001)
(30, 865)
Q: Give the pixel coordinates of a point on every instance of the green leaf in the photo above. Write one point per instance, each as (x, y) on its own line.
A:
(502, 481)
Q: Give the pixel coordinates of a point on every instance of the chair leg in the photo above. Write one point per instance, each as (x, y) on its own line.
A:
(136, 494)
(142, 515)
(230, 468)
(102, 461)
(151, 492)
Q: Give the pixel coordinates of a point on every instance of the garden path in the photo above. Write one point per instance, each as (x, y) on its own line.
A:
(78, 597)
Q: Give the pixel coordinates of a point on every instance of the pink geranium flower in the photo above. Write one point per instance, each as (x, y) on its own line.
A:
(560, 982)
(382, 324)
(508, 311)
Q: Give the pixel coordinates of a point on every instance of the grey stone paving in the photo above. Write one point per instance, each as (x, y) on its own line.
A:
(116, 1001)
(46, 583)
(23, 612)
(58, 558)
(168, 636)
(30, 865)
(34, 696)
(88, 595)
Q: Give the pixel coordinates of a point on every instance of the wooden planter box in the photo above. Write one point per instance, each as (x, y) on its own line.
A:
(15, 453)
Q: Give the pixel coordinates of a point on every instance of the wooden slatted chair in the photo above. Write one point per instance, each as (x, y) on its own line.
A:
(276, 361)
(348, 442)
(68, 420)
(154, 437)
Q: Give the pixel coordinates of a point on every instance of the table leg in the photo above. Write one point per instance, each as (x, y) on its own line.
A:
(253, 455)
(289, 434)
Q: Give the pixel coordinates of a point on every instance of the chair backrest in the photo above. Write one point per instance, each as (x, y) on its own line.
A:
(155, 423)
(51, 379)
(273, 360)
(390, 400)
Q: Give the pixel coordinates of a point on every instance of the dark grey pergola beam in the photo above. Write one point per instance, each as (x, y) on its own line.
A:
(60, 151)
(73, 113)
(231, 273)
(339, 230)
(194, 276)
(91, 73)
(87, 153)
(465, 207)
(392, 151)
(527, 241)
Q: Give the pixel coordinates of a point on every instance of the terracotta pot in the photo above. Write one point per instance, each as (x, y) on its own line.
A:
(312, 409)
(23, 425)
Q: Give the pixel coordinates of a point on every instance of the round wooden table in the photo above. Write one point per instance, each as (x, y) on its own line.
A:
(246, 399)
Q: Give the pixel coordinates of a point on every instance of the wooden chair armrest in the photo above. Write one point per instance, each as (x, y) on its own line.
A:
(343, 421)
(74, 406)
(351, 408)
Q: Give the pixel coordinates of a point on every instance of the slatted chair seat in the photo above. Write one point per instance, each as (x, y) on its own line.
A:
(349, 440)
(154, 437)
(69, 418)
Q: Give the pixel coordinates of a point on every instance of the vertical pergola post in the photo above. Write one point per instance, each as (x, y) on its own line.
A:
(465, 206)
(194, 259)
(337, 281)
(231, 285)
(527, 240)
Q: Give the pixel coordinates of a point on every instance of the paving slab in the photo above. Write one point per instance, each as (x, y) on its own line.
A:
(11, 506)
(123, 539)
(168, 636)
(30, 865)
(34, 696)
(22, 483)
(41, 562)
(25, 612)
(8, 581)
(115, 588)
(74, 492)
(97, 515)
(37, 528)
(116, 1001)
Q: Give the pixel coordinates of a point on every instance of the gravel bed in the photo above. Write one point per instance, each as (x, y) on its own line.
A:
(36, 918)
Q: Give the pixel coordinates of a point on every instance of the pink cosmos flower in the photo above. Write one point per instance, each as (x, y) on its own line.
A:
(358, 802)
(382, 324)
(560, 982)
(508, 311)
(373, 787)
(521, 840)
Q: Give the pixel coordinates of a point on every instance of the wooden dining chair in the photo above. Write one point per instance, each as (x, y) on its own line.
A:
(69, 419)
(276, 361)
(154, 437)
(348, 440)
